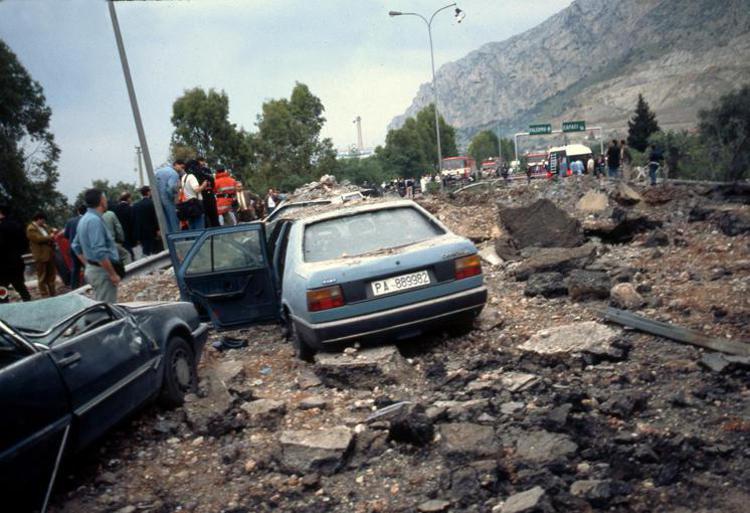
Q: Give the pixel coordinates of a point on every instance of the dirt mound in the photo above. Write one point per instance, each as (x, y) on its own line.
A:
(541, 224)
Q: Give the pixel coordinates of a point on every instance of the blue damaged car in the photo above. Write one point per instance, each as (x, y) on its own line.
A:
(333, 274)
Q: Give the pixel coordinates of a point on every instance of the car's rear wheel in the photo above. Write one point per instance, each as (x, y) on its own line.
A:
(302, 349)
(180, 377)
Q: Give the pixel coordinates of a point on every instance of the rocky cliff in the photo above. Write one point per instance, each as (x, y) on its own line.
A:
(591, 60)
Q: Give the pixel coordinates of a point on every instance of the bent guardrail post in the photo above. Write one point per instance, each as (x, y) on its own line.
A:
(677, 333)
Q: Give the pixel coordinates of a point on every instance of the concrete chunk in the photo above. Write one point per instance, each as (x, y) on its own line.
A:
(468, 441)
(321, 451)
(524, 501)
(582, 337)
(363, 369)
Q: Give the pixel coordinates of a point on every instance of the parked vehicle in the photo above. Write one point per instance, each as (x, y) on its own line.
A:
(570, 152)
(71, 368)
(459, 168)
(333, 275)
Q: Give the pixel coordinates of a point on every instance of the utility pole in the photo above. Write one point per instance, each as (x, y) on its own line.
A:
(140, 166)
(459, 16)
(360, 145)
(138, 123)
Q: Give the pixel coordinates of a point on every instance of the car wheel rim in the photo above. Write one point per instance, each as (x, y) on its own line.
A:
(182, 370)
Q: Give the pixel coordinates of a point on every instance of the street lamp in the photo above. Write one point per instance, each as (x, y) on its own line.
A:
(459, 15)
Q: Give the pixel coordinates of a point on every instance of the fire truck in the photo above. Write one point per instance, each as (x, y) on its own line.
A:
(458, 168)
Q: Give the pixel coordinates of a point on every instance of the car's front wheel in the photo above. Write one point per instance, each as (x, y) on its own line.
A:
(180, 376)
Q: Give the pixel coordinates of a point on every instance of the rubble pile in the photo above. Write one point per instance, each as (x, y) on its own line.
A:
(325, 188)
(542, 407)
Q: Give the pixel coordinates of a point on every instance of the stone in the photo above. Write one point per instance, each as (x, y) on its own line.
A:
(621, 227)
(558, 229)
(544, 447)
(518, 381)
(264, 412)
(212, 414)
(457, 410)
(489, 255)
(523, 502)
(433, 506)
(489, 319)
(412, 425)
(506, 248)
(626, 195)
(733, 223)
(313, 401)
(511, 407)
(546, 285)
(127, 509)
(584, 285)
(582, 337)
(598, 491)
(657, 238)
(365, 369)
(593, 202)
(624, 404)
(625, 296)
(718, 362)
(307, 379)
(554, 259)
(322, 451)
(464, 440)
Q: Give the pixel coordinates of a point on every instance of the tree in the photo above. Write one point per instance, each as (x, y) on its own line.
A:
(202, 127)
(366, 172)
(289, 149)
(507, 149)
(484, 145)
(112, 191)
(725, 129)
(28, 153)
(410, 151)
(642, 125)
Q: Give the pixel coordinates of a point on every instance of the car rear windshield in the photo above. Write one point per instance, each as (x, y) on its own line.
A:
(366, 232)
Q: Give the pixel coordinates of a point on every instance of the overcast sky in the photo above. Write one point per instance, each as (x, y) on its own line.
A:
(351, 54)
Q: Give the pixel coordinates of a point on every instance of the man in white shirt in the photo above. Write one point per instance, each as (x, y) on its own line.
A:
(191, 190)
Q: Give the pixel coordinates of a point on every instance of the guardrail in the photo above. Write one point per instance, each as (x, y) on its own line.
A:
(143, 266)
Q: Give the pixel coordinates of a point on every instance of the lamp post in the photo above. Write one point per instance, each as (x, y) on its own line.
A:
(459, 14)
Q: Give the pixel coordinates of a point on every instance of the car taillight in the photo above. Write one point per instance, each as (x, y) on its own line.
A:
(468, 266)
(324, 299)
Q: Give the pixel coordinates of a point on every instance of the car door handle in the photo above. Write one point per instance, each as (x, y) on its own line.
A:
(69, 359)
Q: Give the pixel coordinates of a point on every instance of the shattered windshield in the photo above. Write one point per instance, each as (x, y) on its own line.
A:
(365, 232)
(39, 316)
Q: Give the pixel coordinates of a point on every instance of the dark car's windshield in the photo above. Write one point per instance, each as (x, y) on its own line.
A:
(365, 232)
(42, 315)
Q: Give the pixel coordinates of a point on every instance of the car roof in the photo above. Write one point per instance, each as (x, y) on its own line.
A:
(43, 314)
(330, 211)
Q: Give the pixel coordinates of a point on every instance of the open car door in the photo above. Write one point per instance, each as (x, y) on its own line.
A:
(179, 243)
(227, 275)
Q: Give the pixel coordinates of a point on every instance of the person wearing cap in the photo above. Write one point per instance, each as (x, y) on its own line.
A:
(145, 223)
(226, 196)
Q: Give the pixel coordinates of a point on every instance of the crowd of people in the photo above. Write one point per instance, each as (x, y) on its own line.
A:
(105, 234)
(615, 163)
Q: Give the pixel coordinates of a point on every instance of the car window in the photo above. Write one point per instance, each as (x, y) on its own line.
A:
(87, 321)
(365, 232)
(228, 252)
(9, 351)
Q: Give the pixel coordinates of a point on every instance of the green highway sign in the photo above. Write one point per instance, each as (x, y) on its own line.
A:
(574, 126)
(540, 129)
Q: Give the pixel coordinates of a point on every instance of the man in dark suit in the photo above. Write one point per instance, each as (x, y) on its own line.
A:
(14, 244)
(124, 212)
(145, 224)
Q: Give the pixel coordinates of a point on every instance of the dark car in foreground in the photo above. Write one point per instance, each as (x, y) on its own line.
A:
(334, 274)
(71, 368)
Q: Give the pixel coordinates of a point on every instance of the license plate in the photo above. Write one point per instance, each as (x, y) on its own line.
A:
(399, 283)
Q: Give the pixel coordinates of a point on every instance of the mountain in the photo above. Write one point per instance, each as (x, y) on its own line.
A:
(591, 60)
